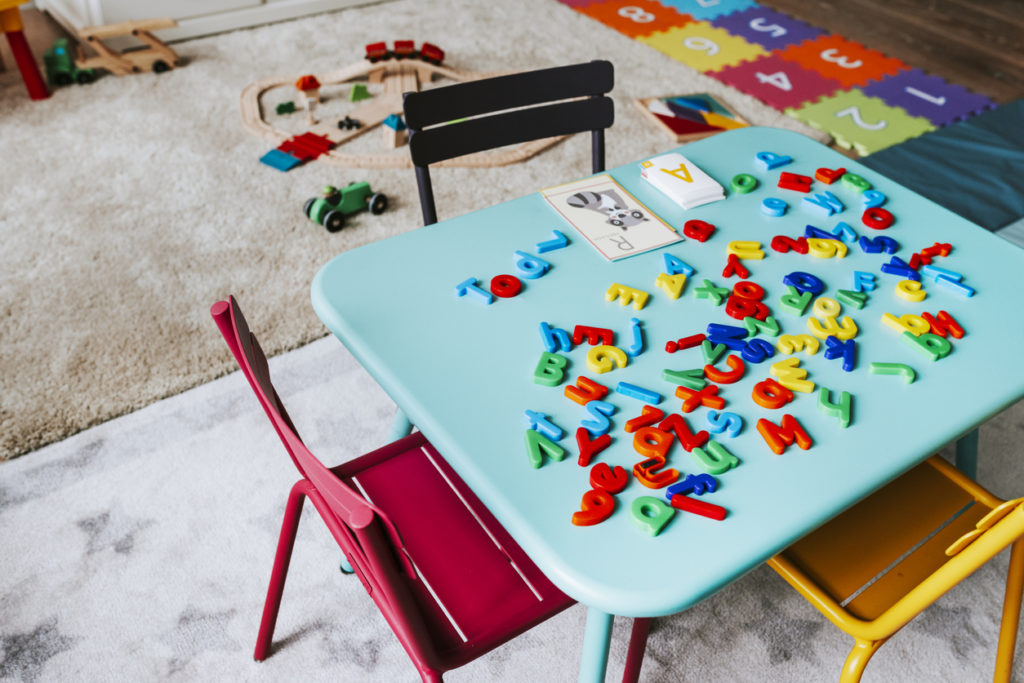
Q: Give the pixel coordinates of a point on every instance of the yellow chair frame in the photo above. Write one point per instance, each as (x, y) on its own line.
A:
(882, 562)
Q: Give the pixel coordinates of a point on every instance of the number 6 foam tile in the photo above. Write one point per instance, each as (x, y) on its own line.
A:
(859, 122)
(636, 18)
(776, 82)
(848, 62)
(702, 46)
(770, 29)
(920, 94)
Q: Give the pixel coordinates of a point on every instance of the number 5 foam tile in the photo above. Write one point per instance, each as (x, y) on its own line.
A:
(765, 27)
(702, 46)
(929, 96)
(864, 123)
(706, 10)
(848, 62)
(636, 18)
(776, 82)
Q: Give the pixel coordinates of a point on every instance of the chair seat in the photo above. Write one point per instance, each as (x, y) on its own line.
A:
(453, 540)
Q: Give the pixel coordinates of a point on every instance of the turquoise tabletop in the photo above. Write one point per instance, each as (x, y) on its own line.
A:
(463, 370)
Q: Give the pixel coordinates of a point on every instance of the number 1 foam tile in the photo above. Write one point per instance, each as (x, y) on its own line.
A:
(636, 18)
(929, 96)
(765, 27)
(702, 46)
(856, 121)
(776, 82)
(706, 10)
(848, 62)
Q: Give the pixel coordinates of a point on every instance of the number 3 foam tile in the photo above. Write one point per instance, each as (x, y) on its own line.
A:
(863, 123)
(765, 27)
(709, 9)
(636, 18)
(776, 82)
(929, 96)
(848, 62)
(703, 47)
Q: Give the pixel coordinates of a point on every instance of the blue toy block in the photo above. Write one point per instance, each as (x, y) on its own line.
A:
(639, 393)
(847, 350)
(554, 338)
(282, 161)
(598, 422)
(541, 423)
(558, 241)
(900, 268)
(872, 198)
(863, 282)
(730, 423)
(844, 232)
(769, 161)
(529, 266)
(673, 266)
(876, 245)
(637, 346)
(811, 231)
(394, 121)
(730, 336)
(468, 286)
(826, 202)
(936, 272)
(804, 282)
(697, 484)
(691, 103)
(773, 206)
(757, 350)
(955, 285)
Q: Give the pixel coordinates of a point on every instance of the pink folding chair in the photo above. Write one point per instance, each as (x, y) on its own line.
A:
(447, 577)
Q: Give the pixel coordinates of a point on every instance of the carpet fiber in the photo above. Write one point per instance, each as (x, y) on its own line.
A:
(133, 203)
(140, 550)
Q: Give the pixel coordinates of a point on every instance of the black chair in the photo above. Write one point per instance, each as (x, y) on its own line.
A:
(448, 122)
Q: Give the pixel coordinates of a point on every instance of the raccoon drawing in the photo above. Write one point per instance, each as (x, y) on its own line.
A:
(610, 204)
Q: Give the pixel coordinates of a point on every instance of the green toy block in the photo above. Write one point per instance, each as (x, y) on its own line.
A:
(358, 92)
(285, 108)
(691, 379)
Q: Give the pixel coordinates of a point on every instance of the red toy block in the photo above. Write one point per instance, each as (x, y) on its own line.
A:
(652, 442)
(784, 244)
(691, 341)
(692, 398)
(778, 437)
(671, 347)
(595, 336)
(648, 416)
(740, 308)
(595, 507)
(698, 507)
(678, 425)
(650, 473)
(698, 229)
(828, 175)
(506, 286)
(842, 60)
(771, 395)
(734, 267)
(943, 323)
(877, 218)
(795, 181)
(731, 376)
(586, 390)
(748, 290)
(589, 448)
(604, 478)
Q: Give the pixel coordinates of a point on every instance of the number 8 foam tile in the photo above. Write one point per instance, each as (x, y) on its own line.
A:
(776, 82)
(920, 94)
(859, 122)
(709, 9)
(765, 27)
(702, 46)
(636, 18)
(848, 62)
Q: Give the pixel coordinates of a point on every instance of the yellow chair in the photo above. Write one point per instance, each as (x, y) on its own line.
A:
(882, 562)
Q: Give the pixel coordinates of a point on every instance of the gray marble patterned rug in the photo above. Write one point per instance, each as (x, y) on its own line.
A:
(140, 549)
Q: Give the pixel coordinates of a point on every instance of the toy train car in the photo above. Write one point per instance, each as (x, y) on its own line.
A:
(405, 49)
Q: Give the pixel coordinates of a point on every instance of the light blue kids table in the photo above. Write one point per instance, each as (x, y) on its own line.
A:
(463, 371)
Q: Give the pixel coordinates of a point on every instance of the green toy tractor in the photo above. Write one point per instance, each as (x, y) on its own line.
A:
(61, 68)
(331, 209)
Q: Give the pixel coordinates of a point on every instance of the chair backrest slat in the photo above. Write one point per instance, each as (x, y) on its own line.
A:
(509, 128)
(473, 98)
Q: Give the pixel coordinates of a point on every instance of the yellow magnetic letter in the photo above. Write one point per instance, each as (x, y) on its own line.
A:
(601, 359)
(626, 294)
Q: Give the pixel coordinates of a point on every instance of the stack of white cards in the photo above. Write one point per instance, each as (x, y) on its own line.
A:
(681, 180)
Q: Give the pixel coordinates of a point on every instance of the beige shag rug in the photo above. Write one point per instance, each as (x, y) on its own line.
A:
(132, 204)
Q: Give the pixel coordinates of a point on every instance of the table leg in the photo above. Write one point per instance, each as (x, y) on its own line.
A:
(597, 636)
(400, 427)
(967, 454)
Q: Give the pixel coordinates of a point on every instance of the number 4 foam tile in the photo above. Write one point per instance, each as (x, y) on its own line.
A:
(765, 27)
(702, 46)
(920, 94)
(848, 62)
(636, 18)
(859, 122)
(776, 82)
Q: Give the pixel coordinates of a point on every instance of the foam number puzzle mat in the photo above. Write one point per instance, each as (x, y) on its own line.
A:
(864, 99)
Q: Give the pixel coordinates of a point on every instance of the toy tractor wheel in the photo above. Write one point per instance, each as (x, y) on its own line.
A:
(308, 206)
(85, 77)
(63, 78)
(160, 66)
(334, 220)
(378, 202)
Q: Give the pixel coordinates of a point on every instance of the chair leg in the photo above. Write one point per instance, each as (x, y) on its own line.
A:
(1011, 613)
(289, 526)
(637, 646)
(858, 658)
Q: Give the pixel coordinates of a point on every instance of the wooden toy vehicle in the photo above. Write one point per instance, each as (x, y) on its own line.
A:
(60, 65)
(431, 53)
(331, 209)
(405, 49)
(156, 56)
(377, 51)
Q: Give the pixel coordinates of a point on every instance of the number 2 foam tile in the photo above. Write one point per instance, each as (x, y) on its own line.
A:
(765, 27)
(702, 46)
(776, 82)
(636, 18)
(706, 10)
(864, 123)
(920, 94)
(848, 62)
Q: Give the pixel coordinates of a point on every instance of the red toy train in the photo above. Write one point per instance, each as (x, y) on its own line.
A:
(405, 49)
